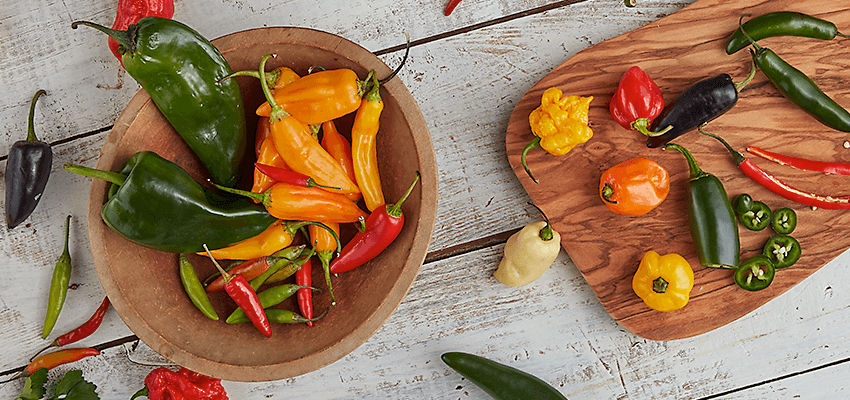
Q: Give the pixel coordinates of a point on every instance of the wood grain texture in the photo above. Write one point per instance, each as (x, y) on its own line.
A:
(677, 51)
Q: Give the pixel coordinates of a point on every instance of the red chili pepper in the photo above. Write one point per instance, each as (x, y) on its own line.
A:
(289, 176)
(60, 357)
(251, 269)
(304, 277)
(451, 6)
(636, 102)
(241, 292)
(131, 11)
(781, 188)
(839, 168)
(165, 384)
(381, 228)
(83, 331)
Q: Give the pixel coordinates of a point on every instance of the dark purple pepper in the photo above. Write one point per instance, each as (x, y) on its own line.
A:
(27, 170)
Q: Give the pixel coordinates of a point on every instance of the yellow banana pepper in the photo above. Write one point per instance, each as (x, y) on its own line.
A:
(664, 283)
(528, 253)
(558, 124)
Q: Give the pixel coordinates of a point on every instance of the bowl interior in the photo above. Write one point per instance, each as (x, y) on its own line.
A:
(144, 285)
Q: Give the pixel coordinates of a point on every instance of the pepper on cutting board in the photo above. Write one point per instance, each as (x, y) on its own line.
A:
(781, 23)
(180, 70)
(634, 187)
(184, 384)
(711, 219)
(27, 171)
(58, 285)
(756, 273)
(500, 381)
(558, 124)
(156, 203)
(664, 283)
(245, 297)
(637, 102)
(529, 253)
(128, 12)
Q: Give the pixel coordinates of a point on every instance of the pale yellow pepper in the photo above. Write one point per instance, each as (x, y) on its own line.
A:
(528, 254)
(664, 283)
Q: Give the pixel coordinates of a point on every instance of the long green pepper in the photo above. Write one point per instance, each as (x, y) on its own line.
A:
(268, 298)
(499, 380)
(181, 70)
(194, 289)
(58, 285)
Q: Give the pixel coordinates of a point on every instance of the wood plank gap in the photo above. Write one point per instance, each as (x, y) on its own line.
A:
(779, 378)
(468, 247)
(70, 139)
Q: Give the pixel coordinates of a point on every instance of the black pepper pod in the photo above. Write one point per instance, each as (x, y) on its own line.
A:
(27, 170)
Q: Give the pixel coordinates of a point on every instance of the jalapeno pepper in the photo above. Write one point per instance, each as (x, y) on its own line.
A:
(743, 203)
(783, 250)
(757, 217)
(180, 70)
(156, 203)
(784, 221)
(712, 222)
(27, 171)
(781, 23)
(499, 380)
(755, 273)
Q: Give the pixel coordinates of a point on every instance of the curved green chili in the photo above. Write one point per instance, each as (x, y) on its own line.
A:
(268, 298)
(499, 380)
(193, 287)
(58, 285)
(782, 23)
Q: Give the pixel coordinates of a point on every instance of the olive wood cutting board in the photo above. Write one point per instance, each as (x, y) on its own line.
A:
(677, 51)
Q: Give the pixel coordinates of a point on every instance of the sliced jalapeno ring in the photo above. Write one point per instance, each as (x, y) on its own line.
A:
(755, 274)
(782, 250)
(784, 221)
(743, 203)
(757, 218)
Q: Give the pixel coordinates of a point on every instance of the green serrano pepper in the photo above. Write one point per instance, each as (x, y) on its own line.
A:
(194, 289)
(499, 380)
(156, 203)
(711, 219)
(268, 298)
(58, 285)
(180, 70)
(781, 23)
(280, 316)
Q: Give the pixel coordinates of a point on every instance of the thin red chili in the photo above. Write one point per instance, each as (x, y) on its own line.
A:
(131, 11)
(451, 6)
(83, 331)
(775, 185)
(289, 176)
(382, 227)
(835, 167)
(241, 292)
(304, 277)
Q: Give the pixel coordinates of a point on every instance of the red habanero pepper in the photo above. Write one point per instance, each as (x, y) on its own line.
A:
(57, 358)
(83, 331)
(775, 185)
(165, 384)
(637, 101)
(381, 228)
(836, 167)
(288, 176)
(241, 292)
(304, 277)
(131, 11)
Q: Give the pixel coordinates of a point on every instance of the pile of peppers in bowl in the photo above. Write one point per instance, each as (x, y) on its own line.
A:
(308, 176)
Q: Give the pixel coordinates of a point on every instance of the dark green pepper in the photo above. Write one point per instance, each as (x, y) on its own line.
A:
(499, 380)
(784, 221)
(783, 250)
(782, 23)
(156, 203)
(743, 203)
(711, 218)
(180, 70)
(755, 274)
(757, 217)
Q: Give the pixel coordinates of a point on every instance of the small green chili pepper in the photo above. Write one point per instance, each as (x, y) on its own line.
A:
(784, 221)
(279, 316)
(782, 250)
(711, 219)
(757, 218)
(499, 380)
(156, 203)
(743, 203)
(195, 289)
(781, 23)
(268, 298)
(755, 274)
(58, 285)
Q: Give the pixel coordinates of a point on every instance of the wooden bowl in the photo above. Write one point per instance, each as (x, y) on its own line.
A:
(144, 286)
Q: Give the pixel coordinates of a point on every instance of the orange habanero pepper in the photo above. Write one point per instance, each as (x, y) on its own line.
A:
(319, 97)
(340, 149)
(364, 147)
(634, 187)
(299, 203)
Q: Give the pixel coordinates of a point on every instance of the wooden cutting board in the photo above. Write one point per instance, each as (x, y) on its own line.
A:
(677, 51)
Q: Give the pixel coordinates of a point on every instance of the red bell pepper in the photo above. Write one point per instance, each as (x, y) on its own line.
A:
(131, 11)
(637, 101)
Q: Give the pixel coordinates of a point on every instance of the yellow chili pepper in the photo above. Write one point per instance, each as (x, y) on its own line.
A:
(267, 154)
(340, 149)
(529, 253)
(319, 97)
(558, 124)
(664, 283)
(324, 244)
(277, 236)
(364, 152)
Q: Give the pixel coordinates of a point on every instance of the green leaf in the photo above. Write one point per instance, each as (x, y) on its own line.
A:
(72, 386)
(34, 385)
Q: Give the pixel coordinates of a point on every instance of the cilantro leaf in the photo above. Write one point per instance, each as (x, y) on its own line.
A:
(34, 385)
(72, 386)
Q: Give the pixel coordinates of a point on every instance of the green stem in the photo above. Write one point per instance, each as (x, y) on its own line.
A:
(30, 127)
(739, 158)
(403, 60)
(277, 113)
(271, 76)
(112, 177)
(124, 38)
(659, 285)
(394, 210)
(534, 143)
(694, 168)
(263, 198)
(546, 233)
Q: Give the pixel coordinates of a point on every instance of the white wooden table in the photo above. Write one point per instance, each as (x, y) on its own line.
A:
(466, 72)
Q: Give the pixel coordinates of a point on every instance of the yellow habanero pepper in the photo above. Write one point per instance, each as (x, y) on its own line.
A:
(559, 124)
(664, 283)
(528, 254)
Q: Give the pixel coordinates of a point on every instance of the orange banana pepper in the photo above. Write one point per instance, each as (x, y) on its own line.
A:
(324, 244)
(340, 149)
(319, 97)
(277, 236)
(364, 152)
(299, 203)
(267, 155)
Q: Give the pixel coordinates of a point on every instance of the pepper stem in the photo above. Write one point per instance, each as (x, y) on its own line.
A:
(659, 285)
(534, 143)
(403, 61)
(30, 127)
(271, 76)
(546, 233)
(227, 277)
(264, 198)
(394, 210)
(277, 113)
(112, 177)
(694, 168)
(739, 157)
(740, 85)
(607, 192)
(124, 38)
(292, 227)
(642, 125)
